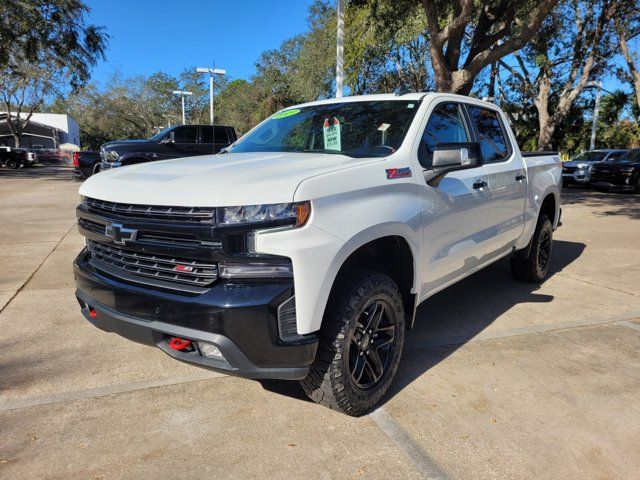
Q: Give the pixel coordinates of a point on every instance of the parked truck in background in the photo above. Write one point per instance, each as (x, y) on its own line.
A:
(15, 158)
(173, 142)
(303, 252)
(85, 164)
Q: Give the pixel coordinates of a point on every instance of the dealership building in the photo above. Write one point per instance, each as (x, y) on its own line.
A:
(44, 131)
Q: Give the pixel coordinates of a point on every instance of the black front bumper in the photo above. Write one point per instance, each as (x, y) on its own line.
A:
(239, 318)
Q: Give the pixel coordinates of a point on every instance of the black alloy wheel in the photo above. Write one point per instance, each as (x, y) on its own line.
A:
(372, 345)
(544, 250)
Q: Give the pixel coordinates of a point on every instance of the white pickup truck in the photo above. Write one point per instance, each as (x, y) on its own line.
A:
(303, 251)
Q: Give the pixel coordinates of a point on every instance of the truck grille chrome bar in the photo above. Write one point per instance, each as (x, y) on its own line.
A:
(160, 267)
(179, 214)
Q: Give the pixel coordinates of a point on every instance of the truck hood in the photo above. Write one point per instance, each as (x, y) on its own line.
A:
(215, 180)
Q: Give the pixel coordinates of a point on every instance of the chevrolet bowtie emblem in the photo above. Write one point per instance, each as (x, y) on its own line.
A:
(119, 234)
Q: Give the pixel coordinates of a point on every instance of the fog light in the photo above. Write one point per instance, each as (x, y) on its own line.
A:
(210, 350)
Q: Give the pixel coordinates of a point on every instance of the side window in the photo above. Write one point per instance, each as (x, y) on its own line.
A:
(207, 134)
(185, 134)
(446, 125)
(493, 142)
(221, 135)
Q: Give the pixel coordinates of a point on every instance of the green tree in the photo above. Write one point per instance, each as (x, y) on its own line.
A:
(45, 47)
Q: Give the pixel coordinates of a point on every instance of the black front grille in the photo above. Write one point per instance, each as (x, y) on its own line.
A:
(568, 169)
(148, 237)
(160, 267)
(173, 214)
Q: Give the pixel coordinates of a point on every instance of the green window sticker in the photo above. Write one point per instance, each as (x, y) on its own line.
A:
(331, 133)
(286, 113)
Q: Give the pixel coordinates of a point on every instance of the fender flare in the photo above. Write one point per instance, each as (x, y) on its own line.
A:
(388, 229)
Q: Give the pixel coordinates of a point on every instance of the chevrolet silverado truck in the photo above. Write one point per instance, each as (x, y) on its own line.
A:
(303, 251)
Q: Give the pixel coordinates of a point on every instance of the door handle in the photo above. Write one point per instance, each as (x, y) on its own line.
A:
(479, 184)
(520, 178)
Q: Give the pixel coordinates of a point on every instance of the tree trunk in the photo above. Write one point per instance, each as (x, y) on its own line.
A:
(624, 47)
(546, 126)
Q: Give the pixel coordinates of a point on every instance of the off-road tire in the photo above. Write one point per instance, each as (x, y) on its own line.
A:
(330, 382)
(528, 264)
(14, 164)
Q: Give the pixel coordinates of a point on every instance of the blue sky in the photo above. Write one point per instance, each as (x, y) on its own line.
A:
(159, 35)
(148, 36)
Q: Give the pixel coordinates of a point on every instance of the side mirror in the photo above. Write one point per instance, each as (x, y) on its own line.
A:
(170, 139)
(450, 157)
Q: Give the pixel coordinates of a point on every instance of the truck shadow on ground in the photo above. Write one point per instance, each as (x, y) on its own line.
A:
(453, 317)
(604, 203)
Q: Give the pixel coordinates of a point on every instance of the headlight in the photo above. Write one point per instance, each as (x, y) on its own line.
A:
(298, 213)
(110, 155)
(627, 171)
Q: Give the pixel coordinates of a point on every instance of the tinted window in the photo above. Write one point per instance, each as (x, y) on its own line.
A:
(221, 135)
(615, 155)
(493, 142)
(185, 134)
(445, 125)
(591, 157)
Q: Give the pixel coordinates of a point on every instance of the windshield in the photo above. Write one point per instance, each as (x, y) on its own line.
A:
(160, 134)
(356, 129)
(590, 157)
(631, 156)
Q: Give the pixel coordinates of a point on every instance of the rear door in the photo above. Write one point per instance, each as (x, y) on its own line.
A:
(207, 133)
(455, 207)
(506, 178)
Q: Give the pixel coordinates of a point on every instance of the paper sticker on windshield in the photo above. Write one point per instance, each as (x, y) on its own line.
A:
(383, 127)
(331, 133)
(286, 113)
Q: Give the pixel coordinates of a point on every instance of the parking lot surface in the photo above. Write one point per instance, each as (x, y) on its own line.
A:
(499, 379)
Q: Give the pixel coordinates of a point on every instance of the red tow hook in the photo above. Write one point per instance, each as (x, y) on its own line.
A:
(177, 343)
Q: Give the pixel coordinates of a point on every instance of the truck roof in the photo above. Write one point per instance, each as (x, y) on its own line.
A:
(416, 96)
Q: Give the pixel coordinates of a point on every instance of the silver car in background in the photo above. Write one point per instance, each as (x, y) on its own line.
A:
(578, 170)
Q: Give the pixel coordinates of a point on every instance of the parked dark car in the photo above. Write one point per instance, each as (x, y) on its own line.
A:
(577, 171)
(17, 157)
(172, 142)
(85, 164)
(620, 174)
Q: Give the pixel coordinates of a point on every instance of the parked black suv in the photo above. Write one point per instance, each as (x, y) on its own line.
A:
(172, 142)
(620, 174)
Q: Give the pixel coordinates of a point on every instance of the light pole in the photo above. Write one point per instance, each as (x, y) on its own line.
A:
(211, 72)
(340, 50)
(182, 94)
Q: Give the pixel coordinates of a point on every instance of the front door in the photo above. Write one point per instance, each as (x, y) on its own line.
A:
(185, 143)
(455, 208)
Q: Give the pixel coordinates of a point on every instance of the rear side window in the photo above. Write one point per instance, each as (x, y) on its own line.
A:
(185, 134)
(221, 135)
(446, 125)
(493, 140)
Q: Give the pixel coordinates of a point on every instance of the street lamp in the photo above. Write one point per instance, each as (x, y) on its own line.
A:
(182, 94)
(340, 50)
(211, 72)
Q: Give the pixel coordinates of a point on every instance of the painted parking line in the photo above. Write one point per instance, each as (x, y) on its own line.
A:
(64, 397)
(428, 468)
(515, 332)
(629, 324)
